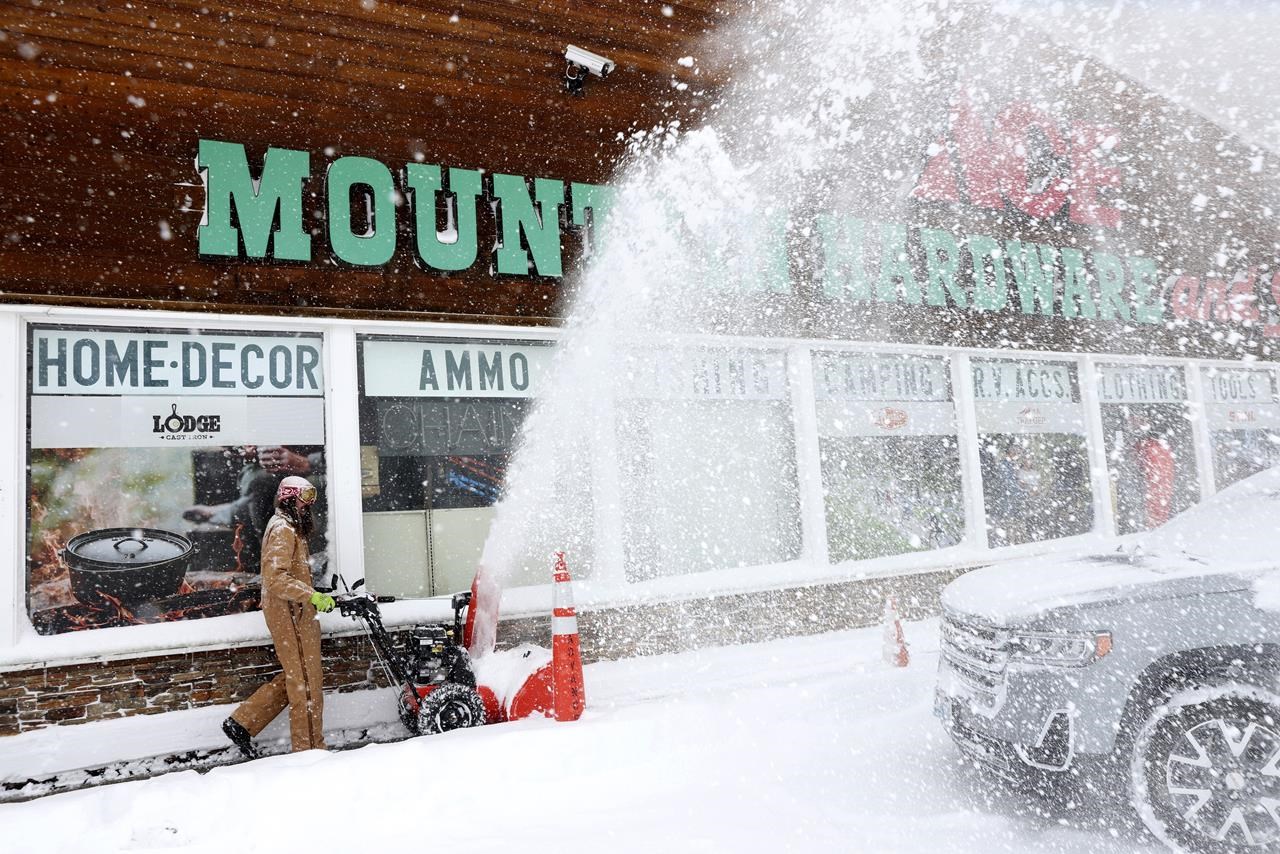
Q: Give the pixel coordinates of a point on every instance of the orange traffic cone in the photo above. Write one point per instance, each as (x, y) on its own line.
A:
(566, 654)
(895, 644)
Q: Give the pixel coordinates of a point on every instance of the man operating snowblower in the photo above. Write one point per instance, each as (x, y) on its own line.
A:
(289, 603)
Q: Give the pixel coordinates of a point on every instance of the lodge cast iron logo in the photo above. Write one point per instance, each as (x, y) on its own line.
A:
(185, 427)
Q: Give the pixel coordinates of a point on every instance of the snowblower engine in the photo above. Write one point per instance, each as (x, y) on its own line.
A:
(432, 655)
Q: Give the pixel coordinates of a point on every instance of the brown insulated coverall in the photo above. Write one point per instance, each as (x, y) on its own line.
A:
(291, 619)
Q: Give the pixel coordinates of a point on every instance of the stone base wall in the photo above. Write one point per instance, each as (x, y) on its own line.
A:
(653, 629)
(78, 693)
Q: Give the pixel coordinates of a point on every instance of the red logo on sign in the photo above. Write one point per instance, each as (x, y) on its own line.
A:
(1241, 416)
(1030, 415)
(889, 418)
(996, 166)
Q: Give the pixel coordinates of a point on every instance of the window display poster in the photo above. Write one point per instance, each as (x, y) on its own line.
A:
(890, 460)
(154, 458)
(439, 419)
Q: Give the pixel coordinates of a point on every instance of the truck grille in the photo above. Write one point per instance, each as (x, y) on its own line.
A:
(977, 653)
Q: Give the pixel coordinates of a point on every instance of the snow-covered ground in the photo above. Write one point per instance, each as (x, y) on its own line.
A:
(807, 745)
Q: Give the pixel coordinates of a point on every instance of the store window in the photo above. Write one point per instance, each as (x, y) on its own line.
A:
(438, 423)
(707, 461)
(1035, 465)
(154, 457)
(1151, 459)
(1243, 411)
(889, 454)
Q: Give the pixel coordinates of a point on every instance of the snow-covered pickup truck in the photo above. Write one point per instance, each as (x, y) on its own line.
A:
(1150, 664)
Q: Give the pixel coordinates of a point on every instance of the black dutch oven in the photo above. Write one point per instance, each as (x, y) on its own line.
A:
(131, 565)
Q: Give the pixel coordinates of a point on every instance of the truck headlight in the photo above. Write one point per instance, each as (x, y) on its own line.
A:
(1067, 649)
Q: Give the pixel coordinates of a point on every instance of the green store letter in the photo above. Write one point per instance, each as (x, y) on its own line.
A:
(378, 243)
(424, 181)
(541, 228)
(227, 179)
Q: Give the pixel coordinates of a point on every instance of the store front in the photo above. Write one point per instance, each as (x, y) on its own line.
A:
(359, 297)
(958, 455)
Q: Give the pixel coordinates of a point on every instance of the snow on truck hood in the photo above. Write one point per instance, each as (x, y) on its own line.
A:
(1016, 593)
(1219, 545)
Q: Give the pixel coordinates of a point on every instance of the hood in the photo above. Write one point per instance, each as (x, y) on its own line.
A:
(1019, 592)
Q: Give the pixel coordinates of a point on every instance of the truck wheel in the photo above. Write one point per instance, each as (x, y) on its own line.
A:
(1205, 771)
(450, 706)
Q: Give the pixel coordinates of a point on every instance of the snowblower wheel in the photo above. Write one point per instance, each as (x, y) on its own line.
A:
(408, 712)
(450, 706)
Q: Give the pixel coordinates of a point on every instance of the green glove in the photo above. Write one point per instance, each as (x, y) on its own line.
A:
(323, 602)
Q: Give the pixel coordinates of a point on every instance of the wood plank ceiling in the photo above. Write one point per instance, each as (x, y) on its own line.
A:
(103, 103)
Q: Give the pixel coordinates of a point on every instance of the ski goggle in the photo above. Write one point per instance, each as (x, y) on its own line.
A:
(304, 494)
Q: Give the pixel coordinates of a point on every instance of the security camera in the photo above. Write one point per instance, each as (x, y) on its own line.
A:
(595, 63)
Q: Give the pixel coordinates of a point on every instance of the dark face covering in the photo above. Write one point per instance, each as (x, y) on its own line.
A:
(299, 516)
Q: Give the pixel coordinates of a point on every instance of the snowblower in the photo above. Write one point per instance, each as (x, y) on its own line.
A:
(427, 663)
(431, 665)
